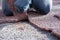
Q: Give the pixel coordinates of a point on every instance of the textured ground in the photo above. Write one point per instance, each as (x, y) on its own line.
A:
(10, 31)
(48, 22)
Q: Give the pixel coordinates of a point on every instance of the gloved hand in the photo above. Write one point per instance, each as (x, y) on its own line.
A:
(22, 5)
(5, 9)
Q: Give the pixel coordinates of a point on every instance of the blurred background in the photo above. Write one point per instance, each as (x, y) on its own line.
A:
(0, 4)
(0, 1)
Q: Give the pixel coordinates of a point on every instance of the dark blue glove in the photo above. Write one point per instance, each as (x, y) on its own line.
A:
(5, 9)
(43, 6)
(22, 5)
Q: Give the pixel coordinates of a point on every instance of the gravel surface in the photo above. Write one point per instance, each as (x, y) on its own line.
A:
(10, 31)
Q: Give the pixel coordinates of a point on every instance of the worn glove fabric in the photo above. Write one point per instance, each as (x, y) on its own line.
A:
(42, 5)
(5, 9)
(23, 5)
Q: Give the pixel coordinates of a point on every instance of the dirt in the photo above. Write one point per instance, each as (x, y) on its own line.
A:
(13, 31)
(49, 22)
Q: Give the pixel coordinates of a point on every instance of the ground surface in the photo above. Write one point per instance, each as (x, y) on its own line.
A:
(12, 31)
